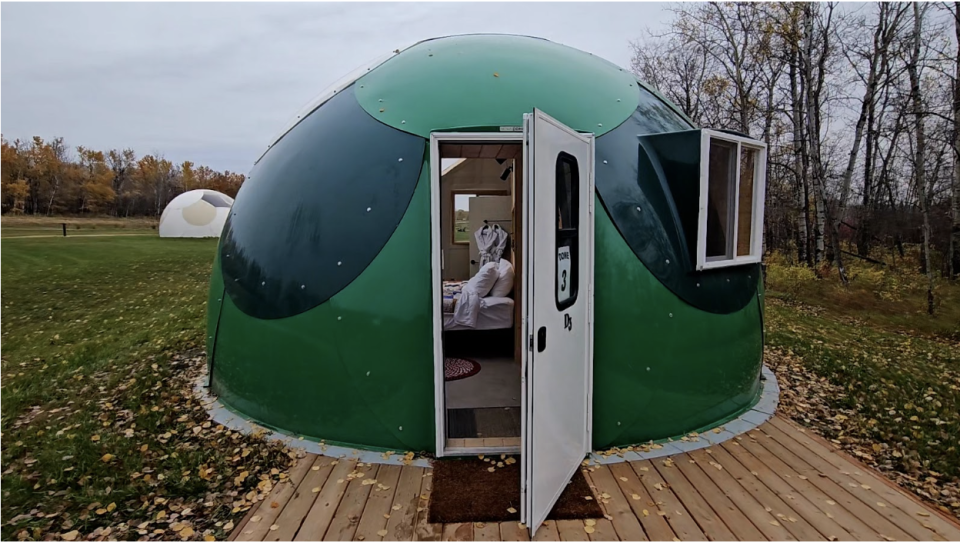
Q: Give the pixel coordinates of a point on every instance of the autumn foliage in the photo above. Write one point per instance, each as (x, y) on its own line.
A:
(45, 178)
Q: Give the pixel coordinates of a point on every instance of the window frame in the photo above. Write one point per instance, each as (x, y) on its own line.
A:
(759, 192)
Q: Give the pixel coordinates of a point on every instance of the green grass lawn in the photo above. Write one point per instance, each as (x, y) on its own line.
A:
(100, 432)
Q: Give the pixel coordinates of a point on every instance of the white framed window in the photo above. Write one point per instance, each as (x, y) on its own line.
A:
(733, 177)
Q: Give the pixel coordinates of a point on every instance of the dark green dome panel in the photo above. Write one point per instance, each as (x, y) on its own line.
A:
(358, 368)
(637, 198)
(662, 367)
(476, 81)
(316, 209)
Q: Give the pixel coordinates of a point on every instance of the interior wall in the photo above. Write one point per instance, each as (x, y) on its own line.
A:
(471, 175)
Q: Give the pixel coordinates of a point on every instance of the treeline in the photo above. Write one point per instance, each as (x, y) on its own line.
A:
(44, 178)
(859, 106)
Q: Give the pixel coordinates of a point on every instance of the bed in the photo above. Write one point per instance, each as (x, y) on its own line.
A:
(495, 312)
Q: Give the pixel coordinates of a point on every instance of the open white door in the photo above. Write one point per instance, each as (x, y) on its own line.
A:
(557, 366)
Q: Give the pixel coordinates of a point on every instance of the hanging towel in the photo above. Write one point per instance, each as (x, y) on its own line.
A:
(491, 242)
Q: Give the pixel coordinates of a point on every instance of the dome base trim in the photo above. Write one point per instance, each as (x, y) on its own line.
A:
(222, 414)
(746, 421)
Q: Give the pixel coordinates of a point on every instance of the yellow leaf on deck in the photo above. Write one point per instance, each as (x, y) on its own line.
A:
(624, 479)
(209, 538)
(511, 510)
(274, 527)
(589, 529)
(590, 522)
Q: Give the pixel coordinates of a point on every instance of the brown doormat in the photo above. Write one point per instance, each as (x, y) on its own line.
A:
(464, 490)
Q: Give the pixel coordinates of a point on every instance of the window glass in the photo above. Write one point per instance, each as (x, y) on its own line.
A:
(568, 181)
(720, 195)
(461, 218)
(748, 166)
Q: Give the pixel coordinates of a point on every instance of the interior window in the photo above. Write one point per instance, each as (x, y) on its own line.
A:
(461, 217)
(723, 163)
(568, 180)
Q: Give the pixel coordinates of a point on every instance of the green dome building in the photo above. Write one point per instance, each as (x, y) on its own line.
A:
(326, 314)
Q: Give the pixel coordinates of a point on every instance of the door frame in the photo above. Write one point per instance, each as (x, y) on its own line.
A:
(514, 136)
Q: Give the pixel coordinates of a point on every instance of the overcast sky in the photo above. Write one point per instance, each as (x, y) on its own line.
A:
(212, 83)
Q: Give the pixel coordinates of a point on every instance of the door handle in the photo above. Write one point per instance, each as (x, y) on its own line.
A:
(541, 339)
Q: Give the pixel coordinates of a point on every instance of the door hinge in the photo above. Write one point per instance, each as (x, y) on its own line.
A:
(530, 342)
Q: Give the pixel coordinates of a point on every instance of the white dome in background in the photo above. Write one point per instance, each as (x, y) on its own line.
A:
(195, 214)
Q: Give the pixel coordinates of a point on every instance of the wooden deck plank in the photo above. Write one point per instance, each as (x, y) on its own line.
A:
(457, 442)
(515, 531)
(699, 511)
(493, 442)
(656, 527)
(747, 492)
(239, 527)
(571, 530)
(697, 521)
(825, 526)
(732, 516)
(511, 442)
(377, 511)
(425, 531)
(328, 499)
(281, 494)
(486, 531)
(301, 502)
(840, 494)
(547, 532)
(857, 528)
(666, 503)
(400, 526)
(617, 505)
(889, 490)
(461, 531)
(603, 530)
(347, 516)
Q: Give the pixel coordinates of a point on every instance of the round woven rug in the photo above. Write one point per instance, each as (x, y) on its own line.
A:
(459, 368)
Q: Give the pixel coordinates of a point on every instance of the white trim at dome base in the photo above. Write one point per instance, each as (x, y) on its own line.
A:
(754, 417)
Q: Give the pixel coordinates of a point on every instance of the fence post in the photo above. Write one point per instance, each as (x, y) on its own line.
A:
(64, 229)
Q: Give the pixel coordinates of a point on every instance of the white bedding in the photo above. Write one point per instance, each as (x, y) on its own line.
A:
(494, 313)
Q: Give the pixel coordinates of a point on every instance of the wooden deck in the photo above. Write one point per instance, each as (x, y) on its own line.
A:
(775, 483)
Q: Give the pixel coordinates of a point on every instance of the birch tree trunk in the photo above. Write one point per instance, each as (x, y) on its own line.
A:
(913, 70)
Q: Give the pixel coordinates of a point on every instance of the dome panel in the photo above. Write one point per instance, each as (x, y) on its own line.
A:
(474, 81)
(316, 209)
(643, 211)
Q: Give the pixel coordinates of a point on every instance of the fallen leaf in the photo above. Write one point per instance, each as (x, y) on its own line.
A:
(382, 533)
(70, 536)
(590, 522)
(274, 527)
(589, 529)
(511, 510)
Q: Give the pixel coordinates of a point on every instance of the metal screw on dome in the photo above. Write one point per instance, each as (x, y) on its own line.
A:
(262, 283)
(600, 125)
(604, 161)
(368, 374)
(380, 100)
(638, 208)
(339, 318)
(339, 262)
(303, 287)
(403, 122)
(668, 261)
(671, 315)
(618, 99)
(400, 160)
(361, 86)
(401, 428)
(648, 368)
(368, 209)
(698, 285)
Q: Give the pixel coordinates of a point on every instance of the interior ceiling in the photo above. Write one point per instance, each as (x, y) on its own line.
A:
(450, 150)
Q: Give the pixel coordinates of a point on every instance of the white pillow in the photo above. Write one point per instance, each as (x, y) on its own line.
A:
(505, 276)
(483, 281)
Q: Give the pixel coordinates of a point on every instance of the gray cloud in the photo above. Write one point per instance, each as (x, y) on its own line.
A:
(213, 82)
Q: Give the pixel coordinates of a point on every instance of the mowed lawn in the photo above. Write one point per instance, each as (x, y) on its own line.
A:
(101, 339)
